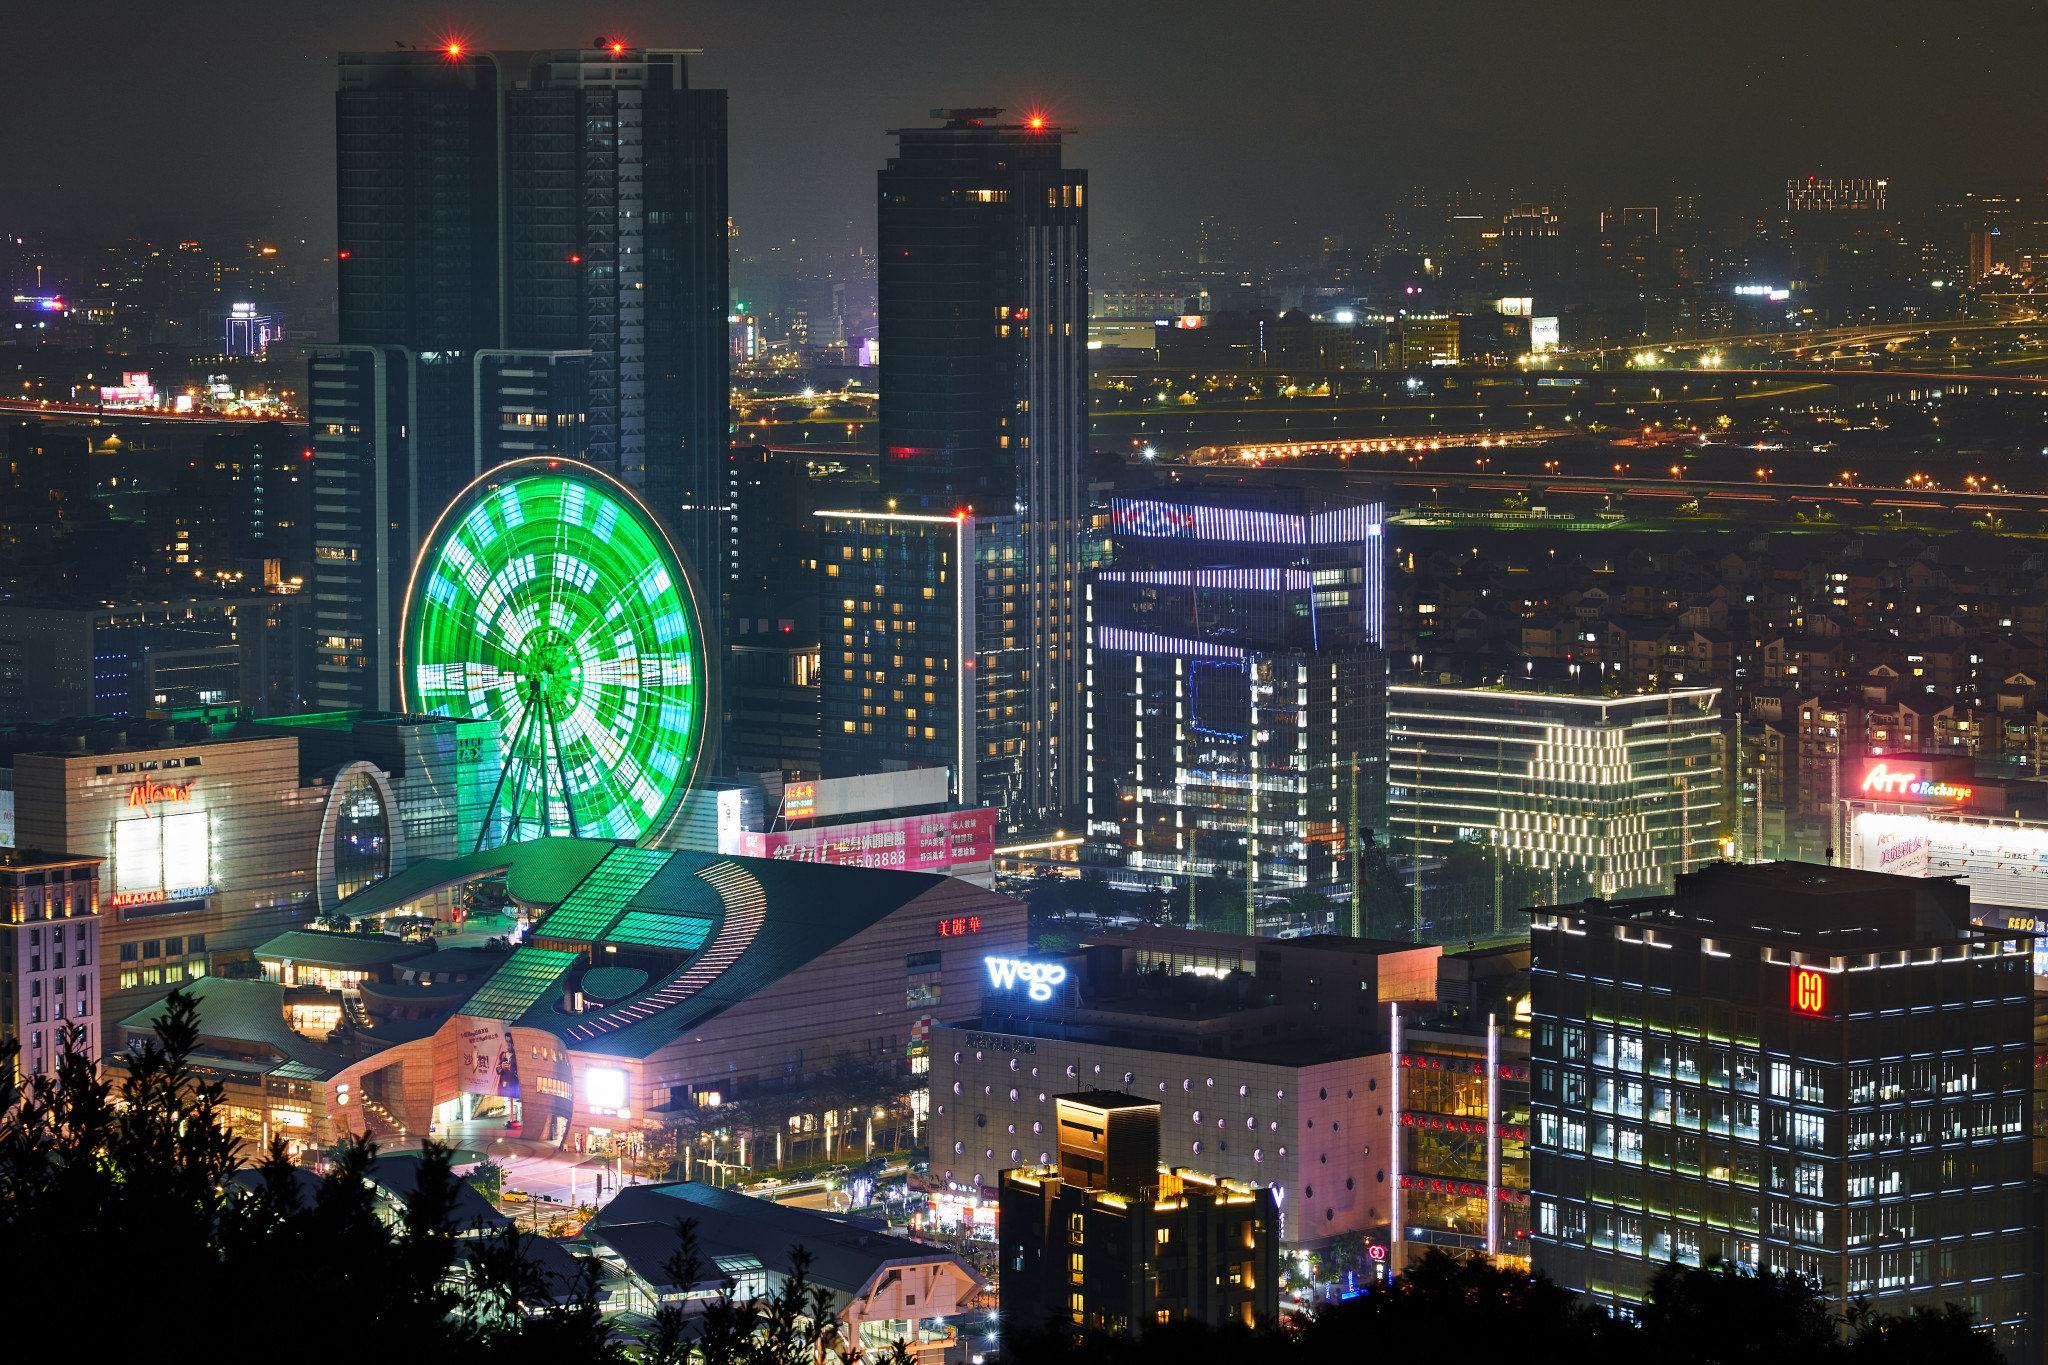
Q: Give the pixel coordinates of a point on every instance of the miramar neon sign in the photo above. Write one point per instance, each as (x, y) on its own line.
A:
(1884, 781)
(1006, 973)
(149, 791)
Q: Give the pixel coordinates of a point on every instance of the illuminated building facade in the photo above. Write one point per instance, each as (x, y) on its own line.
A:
(897, 651)
(1929, 815)
(1813, 195)
(1615, 794)
(982, 297)
(1268, 1059)
(216, 837)
(49, 957)
(532, 259)
(1107, 1240)
(1811, 1069)
(653, 981)
(1458, 1134)
(1233, 680)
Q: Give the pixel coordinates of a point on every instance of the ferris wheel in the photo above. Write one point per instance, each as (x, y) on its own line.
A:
(548, 599)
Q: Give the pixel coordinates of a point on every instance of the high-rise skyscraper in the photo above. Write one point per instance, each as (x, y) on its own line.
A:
(1236, 688)
(897, 645)
(983, 321)
(531, 249)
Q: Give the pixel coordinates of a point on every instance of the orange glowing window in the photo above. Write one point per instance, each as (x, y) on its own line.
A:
(1809, 992)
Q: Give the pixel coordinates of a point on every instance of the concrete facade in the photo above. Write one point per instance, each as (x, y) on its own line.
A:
(1315, 1131)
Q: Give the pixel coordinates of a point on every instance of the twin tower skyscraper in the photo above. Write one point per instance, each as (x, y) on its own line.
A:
(532, 258)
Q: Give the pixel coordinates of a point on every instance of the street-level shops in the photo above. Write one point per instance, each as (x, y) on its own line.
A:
(653, 982)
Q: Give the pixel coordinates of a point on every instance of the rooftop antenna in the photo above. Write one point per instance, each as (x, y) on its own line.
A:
(965, 118)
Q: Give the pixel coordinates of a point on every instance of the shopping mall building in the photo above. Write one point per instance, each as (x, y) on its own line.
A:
(647, 982)
(1379, 1088)
(214, 833)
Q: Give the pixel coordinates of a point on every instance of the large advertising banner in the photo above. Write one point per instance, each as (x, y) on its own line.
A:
(913, 843)
(483, 1058)
(2003, 865)
(1894, 843)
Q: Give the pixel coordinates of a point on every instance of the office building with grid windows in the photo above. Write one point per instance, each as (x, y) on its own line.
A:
(1810, 1069)
(1236, 690)
(1608, 795)
(897, 657)
(49, 957)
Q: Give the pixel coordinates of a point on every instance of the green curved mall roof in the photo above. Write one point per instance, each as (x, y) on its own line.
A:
(537, 872)
(590, 891)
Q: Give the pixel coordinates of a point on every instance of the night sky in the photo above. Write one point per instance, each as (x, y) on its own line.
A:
(173, 118)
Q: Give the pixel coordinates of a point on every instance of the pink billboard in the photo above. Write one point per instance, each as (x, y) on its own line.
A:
(914, 843)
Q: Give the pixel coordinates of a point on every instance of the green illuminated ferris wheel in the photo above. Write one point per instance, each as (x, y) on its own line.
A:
(548, 599)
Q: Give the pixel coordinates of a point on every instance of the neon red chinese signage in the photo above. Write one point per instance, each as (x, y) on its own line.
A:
(1471, 1126)
(959, 926)
(1809, 991)
(1463, 1188)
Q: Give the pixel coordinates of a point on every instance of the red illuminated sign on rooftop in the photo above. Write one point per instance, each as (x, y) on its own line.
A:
(1809, 991)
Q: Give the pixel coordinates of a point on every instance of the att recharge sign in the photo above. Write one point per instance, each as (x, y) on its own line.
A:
(914, 843)
(1936, 782)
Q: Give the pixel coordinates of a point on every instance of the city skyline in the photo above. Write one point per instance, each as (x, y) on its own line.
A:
(1178, 120)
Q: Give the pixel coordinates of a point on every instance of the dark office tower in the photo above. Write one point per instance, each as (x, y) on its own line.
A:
(983, 303)
(1531, 248)
(1813, 1069)
(1112, 1240)
(532, 261)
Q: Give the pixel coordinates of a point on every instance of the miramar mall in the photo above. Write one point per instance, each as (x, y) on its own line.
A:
(548, 926)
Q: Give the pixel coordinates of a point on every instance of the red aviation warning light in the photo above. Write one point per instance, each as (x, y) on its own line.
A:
(1809, 991)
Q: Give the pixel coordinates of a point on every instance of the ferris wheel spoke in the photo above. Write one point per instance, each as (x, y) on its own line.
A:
(555, 607)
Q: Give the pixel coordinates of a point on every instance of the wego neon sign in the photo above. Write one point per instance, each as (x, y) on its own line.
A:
(1005, 973)
(149, 791)
(1809, 992)
(1884, 781)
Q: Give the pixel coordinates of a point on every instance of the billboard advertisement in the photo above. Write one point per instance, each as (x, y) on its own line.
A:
(1893, 843)
(1925, 781)
(483, 1058)
(2003, 865)
(912, 843)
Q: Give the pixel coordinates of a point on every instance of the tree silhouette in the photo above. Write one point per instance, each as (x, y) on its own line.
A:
(148, 1179)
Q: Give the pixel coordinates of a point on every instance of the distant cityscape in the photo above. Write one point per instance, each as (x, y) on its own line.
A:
(1501, 739)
